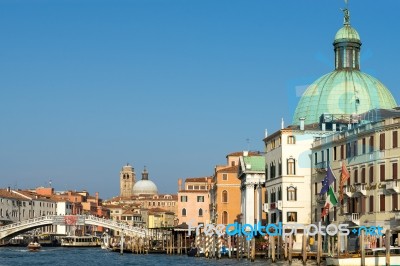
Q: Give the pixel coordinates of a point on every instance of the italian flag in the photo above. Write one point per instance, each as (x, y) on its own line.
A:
(331, 201)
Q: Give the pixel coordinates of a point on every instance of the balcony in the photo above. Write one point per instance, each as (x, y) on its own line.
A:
(397, 215)
(393, 186)
(360, 189)
(349, 190)
(321, 167)
(354, 217)
(367, 157)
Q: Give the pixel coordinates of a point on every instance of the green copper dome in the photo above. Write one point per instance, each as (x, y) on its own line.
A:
(347, 33)
(342, 92)
(346, 90)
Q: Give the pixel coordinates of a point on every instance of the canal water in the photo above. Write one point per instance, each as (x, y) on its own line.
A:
(59, 256)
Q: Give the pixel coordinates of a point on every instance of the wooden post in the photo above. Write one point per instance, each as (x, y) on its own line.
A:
(286, 247)
(273, 248)
(338, 244)
(237, 246)
(319, 249)
(304, 248)
(387, 245)
(290, 248)
(122, 243)
(362, 247)
(253, 249)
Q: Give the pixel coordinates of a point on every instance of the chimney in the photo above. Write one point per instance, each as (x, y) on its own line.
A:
(302, 123)
(245, 153)
(179, 184)
(266, 133)
(323, 127)
(97, 198)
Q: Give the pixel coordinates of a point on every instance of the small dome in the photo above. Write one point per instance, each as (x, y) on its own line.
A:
(145, 187)
(347, 33)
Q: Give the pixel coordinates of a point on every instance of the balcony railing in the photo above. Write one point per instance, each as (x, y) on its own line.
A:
(393, 186)
(354, 217)
(348, 190)
(360, 188)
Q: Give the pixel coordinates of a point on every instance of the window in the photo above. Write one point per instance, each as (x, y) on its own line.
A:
(279, 193)
(224, 177)
(394, 170)
(356, 176)
(394, 139)
(363, 175)
(279, 167)
(315, 188)
(291, 140)
(355, 148)
(183, 198)
(348, 150)
(291, 167)
(224, 196)
(382, 172)
(292, 216)
(382, 142)
(382, 203)
(233, 163)
(334, 153)
(371, 174)
(292, 193)
(200, 212)
(315, 158)
(341, 152)
(190, 187)
(266, 196)
(273, 218)
(394, 202)
(224, 217)
(364, 146)
(183, 212)
(200, 198)
(371, 144)
(371, 203)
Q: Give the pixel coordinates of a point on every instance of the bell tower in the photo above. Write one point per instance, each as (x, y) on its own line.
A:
(127, 179)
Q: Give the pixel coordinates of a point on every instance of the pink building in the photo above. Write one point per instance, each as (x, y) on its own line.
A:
(194, 201)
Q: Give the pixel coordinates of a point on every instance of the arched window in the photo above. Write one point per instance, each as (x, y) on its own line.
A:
(200, 212)
(291, 140)
(183, 212)
(224, 217)
(291, 166)
(291, 193)
(224, 196)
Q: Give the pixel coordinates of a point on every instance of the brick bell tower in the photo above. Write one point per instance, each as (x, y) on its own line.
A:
(127, 179)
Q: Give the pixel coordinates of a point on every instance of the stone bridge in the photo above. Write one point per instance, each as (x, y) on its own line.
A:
(14, 229)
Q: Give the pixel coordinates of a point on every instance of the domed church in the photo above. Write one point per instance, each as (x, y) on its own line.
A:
(145, 186)
(346, 90)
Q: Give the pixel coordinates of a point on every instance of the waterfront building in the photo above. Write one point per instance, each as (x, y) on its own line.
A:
(288, 175)
(194, 201)
(127, 179)
(251, 174)
(370, 152)
(225, 192)
(328, 112)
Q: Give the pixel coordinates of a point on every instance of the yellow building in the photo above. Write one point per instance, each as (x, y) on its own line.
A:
(225, 193)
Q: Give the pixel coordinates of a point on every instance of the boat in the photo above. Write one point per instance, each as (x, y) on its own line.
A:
(34, 246)
(374, 256)
(80, 241)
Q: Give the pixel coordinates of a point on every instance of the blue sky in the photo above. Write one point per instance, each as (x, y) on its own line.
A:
(87, 86)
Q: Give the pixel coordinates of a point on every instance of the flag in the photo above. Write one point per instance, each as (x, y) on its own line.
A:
(343, 178)
(329, 203)
(328, 180)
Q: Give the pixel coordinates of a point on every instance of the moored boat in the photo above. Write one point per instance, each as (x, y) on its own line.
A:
(375, 256)
(80, 241)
